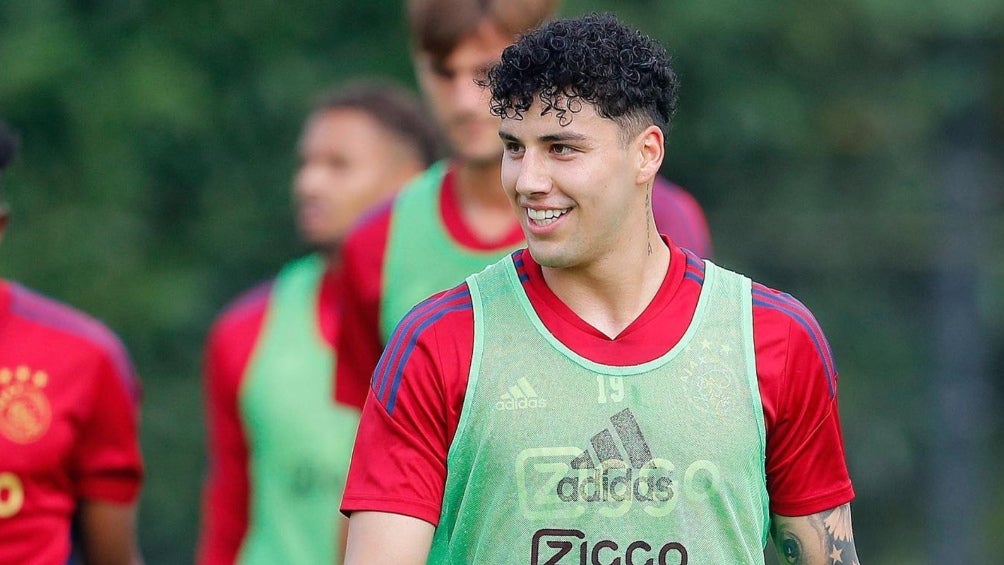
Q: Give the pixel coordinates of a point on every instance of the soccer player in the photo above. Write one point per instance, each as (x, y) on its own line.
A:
(278, 445)
(455, 215)
(69, 411)
(602, 396)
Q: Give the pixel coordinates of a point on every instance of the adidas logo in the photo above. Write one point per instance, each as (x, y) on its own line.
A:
(615, 473)
(521, 396)
(620, 471)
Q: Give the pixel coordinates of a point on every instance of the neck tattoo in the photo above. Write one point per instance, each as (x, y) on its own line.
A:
(648, 225)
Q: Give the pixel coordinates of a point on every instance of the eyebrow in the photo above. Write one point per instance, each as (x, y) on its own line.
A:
(551, 138)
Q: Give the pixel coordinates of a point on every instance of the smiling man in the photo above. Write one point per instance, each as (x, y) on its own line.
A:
(454, 219)
(603, 395)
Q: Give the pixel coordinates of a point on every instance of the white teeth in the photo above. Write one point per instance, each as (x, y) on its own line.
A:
(544, 216)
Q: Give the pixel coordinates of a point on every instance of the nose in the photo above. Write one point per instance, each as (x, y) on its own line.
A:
(308, 178)
(532, 176)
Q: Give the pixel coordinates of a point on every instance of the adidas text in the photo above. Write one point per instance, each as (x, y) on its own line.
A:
(520, 396)
(614, 485)
(520, 404)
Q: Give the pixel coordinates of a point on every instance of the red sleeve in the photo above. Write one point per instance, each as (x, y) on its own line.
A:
(679, 215)
(109, 465)
(806, 468)
(412, 411)
(225, 500)
(359, 343)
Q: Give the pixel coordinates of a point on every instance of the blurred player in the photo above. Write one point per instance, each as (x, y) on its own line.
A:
(69, 410)
(602, 396)
(278, 445)
(455, 220)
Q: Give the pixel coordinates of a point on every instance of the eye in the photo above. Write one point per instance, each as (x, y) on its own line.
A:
(337, 162)
(440, 70)
(561, 149)
(512, 148)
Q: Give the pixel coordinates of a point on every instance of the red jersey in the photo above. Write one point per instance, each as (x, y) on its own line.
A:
(676, 212)
(69, 403)
(231, 342)
(418, 390)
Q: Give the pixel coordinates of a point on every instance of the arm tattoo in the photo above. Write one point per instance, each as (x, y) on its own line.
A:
(825, 538)
(648, 224)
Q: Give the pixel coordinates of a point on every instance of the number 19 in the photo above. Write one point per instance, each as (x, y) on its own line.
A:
(615, 386)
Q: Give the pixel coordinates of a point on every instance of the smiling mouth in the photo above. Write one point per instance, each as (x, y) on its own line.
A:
(545, 217)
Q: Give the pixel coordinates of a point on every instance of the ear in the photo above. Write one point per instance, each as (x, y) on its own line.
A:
(651, 149)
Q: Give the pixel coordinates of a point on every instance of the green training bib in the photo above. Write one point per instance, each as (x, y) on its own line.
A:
(422, 258)
(559, 460)
(299, 440)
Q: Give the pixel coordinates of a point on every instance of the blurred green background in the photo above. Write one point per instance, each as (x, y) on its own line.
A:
(848, 152)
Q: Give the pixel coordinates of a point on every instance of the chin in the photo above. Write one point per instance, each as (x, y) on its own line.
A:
(550, 258)
(320, 241)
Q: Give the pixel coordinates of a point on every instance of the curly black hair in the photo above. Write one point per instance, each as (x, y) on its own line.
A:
(624, 74)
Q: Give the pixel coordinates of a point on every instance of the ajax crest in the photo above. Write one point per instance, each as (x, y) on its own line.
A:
(25, 413)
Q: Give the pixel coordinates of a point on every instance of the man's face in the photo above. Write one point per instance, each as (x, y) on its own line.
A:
(459, 104)
(348, 162)
(575, 188)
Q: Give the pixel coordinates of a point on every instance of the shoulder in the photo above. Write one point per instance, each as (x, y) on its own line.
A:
(243, 312)
(373, 221)
(376, 220)
(781, 319)
(669, 191)
(444, 311)
(368, 236)
(679, 215)
(416, 345)
(372, 227)
(73, 331)
(233, 335)
(362, 254)
(669, 198)
(438, 306)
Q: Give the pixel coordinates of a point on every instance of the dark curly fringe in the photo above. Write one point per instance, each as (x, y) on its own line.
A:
(625, 75)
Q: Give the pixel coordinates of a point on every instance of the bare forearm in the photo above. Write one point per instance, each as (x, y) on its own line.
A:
(108, 533)
(377, 538)
(826, 538)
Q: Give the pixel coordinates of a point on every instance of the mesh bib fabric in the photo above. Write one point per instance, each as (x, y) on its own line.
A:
(559, 460)
(422, 258)
(299, 440)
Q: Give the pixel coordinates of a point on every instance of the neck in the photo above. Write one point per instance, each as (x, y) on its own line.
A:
(485, 208)
(332, 254)
(613, 291)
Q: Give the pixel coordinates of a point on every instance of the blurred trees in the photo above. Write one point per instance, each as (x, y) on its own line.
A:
(159, 143)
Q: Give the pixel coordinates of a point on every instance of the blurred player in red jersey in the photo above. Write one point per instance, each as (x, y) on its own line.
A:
(454, 220)
(604, 395)
(69, 410)
(278, 445)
